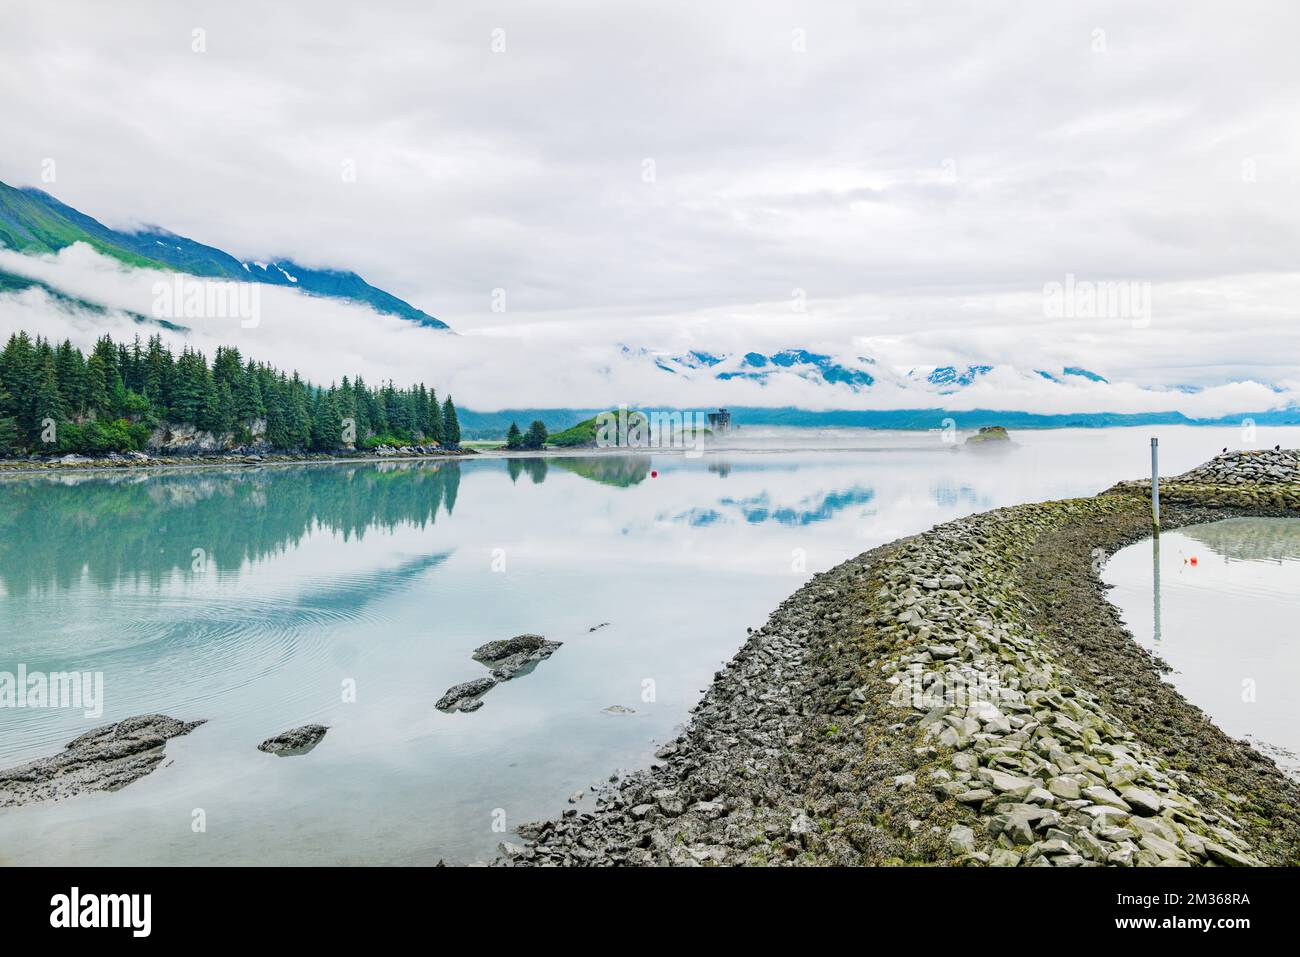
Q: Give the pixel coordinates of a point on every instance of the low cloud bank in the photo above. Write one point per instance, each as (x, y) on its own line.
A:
(579, 364)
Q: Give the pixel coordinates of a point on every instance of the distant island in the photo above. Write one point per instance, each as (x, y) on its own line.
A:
(990, 435)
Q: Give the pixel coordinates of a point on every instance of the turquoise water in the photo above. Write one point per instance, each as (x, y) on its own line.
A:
(257, 598)
(1220, 603)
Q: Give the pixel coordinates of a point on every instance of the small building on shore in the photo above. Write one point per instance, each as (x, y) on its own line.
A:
(720, 421)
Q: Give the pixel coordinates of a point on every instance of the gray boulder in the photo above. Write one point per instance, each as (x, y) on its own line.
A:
(511, 657)
(104, 759)
(466, 696)
(295, 741)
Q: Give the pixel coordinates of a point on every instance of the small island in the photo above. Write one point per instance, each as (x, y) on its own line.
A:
(989, 434)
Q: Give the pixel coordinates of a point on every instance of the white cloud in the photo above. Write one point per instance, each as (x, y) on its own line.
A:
(920, 173)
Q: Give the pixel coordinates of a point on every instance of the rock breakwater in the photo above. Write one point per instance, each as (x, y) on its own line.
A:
(964, 696)
(1251, 467)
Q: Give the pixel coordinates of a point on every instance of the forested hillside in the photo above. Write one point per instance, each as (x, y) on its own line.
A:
(125, 397)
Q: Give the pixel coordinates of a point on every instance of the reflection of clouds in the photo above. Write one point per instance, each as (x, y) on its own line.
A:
(1250, 539)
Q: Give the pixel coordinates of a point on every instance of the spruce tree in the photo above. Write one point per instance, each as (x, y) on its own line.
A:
(433, 423)
(514, 438)
(450, 425)
(536, 437)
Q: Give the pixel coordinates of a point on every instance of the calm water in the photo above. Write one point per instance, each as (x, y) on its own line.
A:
(319, 578)
(1224, 618)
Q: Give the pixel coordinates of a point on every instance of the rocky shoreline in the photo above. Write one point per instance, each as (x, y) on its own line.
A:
(965, 696)
(141, 461)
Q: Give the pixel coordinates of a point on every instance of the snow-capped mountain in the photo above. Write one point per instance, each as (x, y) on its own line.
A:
(859, 374)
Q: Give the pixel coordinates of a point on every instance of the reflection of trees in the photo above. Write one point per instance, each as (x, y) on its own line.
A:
(1250, 539)
(535, 467)
(620, 470)
(111, 528)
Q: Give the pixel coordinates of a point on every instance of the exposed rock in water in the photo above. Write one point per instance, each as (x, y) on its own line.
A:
(511, 657)
(466, 696)
(295, 741)
(618, 709)
(105, 759)
(603, 624)
(990, 434)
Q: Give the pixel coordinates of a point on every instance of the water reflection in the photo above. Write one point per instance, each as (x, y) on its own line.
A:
(818, 507)
(534, 467)
(620, 471)
(1250, 539)
(387, 576)
(1219, 603)
(147, 528)
(1155, 586)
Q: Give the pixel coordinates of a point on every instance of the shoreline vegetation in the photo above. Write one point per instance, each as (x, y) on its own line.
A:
(965, 696)
(128, 400)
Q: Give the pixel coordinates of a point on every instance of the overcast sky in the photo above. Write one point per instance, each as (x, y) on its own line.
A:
(679, 175)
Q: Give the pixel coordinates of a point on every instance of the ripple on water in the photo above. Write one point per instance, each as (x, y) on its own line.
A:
(187, 651)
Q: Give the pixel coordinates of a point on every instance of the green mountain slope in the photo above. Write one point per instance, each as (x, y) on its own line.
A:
(32, 221)
(584, 434)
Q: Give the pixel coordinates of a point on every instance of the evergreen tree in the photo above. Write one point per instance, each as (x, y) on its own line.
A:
(326, 424)
(536, 437)
(450, 425)
(97, 385)
(48, 406)
(299, 415)
(514, 438)
(278, 434)
(11, 440)
(249, 404)
(433, 421)
(70, 369)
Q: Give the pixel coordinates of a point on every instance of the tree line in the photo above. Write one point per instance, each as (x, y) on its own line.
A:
(54, 398)
(534, 438)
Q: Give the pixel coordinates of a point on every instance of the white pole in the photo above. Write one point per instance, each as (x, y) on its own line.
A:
(1155, 483)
